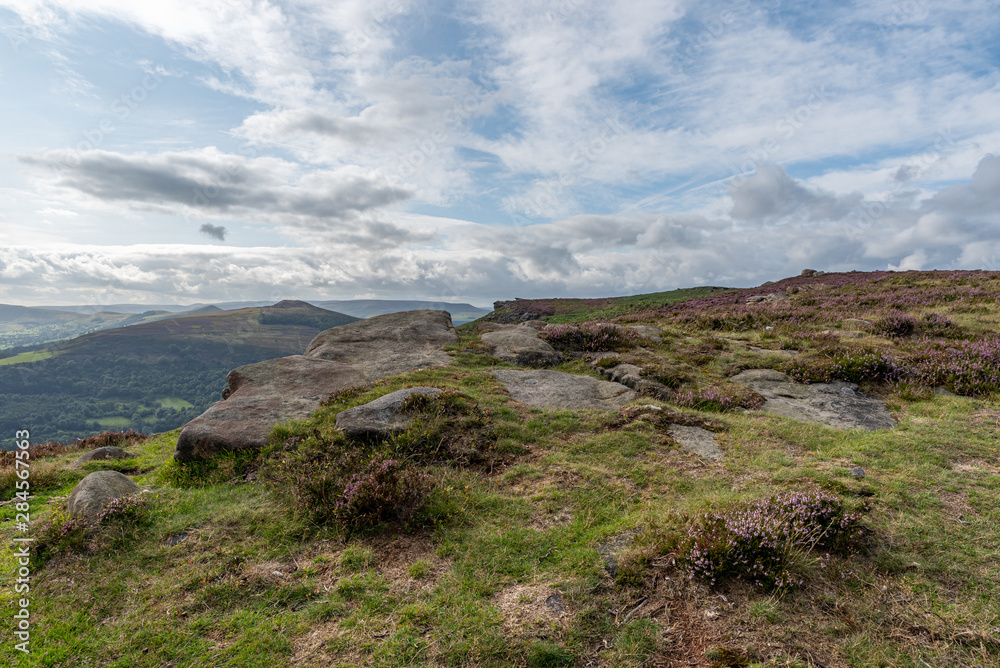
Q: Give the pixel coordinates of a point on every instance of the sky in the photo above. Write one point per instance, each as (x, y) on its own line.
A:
(182, 152)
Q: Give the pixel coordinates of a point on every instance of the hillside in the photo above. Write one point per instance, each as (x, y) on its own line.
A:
(152, 376)
(491, 532)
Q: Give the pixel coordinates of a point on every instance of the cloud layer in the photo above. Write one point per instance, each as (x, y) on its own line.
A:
(481, 150)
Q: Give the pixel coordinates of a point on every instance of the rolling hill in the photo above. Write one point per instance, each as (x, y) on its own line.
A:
(150, 376)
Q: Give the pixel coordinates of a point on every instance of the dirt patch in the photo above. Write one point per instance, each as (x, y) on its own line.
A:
(527, 607)
(986, 416)
(957, 507)
(310, 649)
(974, 466)
(553, 518)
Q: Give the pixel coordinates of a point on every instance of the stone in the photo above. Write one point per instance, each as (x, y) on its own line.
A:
(388, 345)
(260, 396)
(858, 472)
(648, 331)
(697, 441)
(521, 346)
(825, 403)
(808, 272)
(630, 375)
(96, 490)
(564, 391)
(99, 454)
(382, 417)
(759, 299)
(856, 325)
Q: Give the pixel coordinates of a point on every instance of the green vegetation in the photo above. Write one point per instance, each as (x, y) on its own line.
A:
(555, 538)
(35, 356)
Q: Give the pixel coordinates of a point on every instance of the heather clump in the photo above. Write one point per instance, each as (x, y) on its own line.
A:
(969, 367)
(850, 364)
(719, 398)
(590, 337)
(895, 325)
(64, 534)
(757, 541)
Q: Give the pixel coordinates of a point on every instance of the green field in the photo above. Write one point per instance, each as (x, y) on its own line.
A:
(25, 357)
(175, 403)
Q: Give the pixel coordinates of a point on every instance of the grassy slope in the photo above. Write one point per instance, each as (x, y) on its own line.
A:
(250, 586)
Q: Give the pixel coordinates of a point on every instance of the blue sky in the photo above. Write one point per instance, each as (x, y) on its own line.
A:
(194, 152)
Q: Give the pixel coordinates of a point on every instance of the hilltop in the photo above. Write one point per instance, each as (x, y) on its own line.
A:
(678, 514)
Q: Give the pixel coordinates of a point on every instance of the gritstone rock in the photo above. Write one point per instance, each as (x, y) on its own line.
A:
(521, 346)
(563, 391)
(261, 395)
(93, 492)
(382, 417)
(834, 404)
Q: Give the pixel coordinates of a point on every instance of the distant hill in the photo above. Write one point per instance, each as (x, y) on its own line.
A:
(152, 376)
(366, 308)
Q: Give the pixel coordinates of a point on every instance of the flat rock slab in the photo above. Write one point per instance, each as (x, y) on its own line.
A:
(95, 491)
(697, 441)
(382, 417)
(833, 404)
(100, 454)
(521, 345)
(260, 396)
(388, 345)
(564, 391)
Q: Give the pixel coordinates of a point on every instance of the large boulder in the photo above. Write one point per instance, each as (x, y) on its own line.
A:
(95, 491)
(836, 404)
(264, 394)
(260, 396)
(564, 391)
(382, 417)
(388, 345)
(100, 454)
(521, 345)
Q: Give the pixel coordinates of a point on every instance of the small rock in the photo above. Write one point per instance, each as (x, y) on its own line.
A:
(697, 441)
(99, 454)
(858, 472)
(382, 417)
(95, 491)
(555, 604)
(808, 272)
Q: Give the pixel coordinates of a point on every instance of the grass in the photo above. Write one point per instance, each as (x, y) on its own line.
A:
(554, 553)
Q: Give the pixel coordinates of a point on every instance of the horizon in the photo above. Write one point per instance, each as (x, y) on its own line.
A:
(468, 152)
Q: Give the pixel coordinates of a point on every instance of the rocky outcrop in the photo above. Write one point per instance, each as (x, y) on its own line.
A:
(261, 395)
(382, 417)
(99, 454)
(95, 491)
(834, 404)
(520, 345)
(563, 391)
(388, 345)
